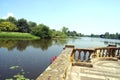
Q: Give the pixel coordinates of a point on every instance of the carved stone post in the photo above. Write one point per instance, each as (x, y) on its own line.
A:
(90, 52)
(73, 56)
(119, 52)
(100, 53)
(79, 57)
(84, 57)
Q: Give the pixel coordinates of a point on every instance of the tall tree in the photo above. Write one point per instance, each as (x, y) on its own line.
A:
(119, 36)
(65, 30)
(23, 25)
(31, 25)
(12, 20)
(42, 31)
(107, 35)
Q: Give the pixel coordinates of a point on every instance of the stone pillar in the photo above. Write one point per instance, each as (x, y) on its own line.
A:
(79, 57)
(90, 52)
(84, 57)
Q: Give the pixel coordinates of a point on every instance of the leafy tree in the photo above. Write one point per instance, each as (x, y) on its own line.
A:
(74, 33)
(12, 20)
(7, 26)
(111, 36)
(79, 34)
(23, 25)
(2, 20)
(102, 36)
(61, 34)
(119, 36)
(58, 34)
(32, 24)
(92, 35)
(107, 35)
(42, 31)
(65, 30)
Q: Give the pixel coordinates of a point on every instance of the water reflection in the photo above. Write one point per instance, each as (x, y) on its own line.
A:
(36, 54)
(44, 44)
(114, 43)
(60, 42)
(21, 45)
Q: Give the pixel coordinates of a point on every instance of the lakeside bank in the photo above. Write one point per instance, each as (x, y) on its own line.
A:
(17, 35)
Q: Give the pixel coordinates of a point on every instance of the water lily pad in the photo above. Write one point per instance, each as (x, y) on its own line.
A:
(14, 67)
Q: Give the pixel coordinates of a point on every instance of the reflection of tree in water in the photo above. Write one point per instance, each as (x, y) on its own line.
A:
(73, 40)
(106, 43)
(43, 43)
(21, 45)
(60, 42)
(9, 44)
(117, 44)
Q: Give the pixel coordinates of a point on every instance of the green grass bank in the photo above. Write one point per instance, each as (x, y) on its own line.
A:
(17, 35)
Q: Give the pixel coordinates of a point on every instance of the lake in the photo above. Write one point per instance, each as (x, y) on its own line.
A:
(34, 56)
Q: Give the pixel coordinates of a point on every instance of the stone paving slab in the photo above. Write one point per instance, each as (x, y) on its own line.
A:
(102, 70)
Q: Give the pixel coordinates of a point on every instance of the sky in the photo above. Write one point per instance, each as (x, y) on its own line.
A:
(82, 16)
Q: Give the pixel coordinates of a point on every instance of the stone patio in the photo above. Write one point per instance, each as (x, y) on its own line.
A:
(101, 70)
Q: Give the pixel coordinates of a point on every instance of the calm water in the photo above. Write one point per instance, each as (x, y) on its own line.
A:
(33, 56)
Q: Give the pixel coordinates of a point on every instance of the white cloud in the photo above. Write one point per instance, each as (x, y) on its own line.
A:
(8, 15)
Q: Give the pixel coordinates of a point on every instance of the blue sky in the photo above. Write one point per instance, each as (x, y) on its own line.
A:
(83, 16)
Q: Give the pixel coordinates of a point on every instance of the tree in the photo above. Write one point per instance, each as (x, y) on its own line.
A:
(119, 36)
(23, 25)
(74, 33)
(65, 30)
(79, 35)
(2, 20)
(31, 25)
(107, 35)
(42, 31)
(102, 36)
(12, 20)
(57, 34)
(7, 26)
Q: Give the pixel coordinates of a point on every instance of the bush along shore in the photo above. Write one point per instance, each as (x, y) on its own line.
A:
(17, 35)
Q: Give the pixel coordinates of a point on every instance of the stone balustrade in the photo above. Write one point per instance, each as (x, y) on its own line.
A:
(107, 52)
(81, 55)
(71, 56)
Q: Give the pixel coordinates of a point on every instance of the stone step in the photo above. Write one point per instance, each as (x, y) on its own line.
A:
(85, 73)
(83, 64)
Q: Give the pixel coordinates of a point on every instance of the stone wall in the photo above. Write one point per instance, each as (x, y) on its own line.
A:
(59, 68)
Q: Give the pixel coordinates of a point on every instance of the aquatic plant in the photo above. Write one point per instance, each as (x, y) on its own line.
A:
(18, 76)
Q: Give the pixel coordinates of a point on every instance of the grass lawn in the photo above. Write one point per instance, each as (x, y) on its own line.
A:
(17, 35)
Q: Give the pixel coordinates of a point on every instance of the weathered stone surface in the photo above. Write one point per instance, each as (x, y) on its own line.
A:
(59, 68)
(85, 64)
(99, 66)
(102, 70)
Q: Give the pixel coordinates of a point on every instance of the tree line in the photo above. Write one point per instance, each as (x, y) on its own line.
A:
(110, 36)
(11, 24)
(107, 35)
(71, 33)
